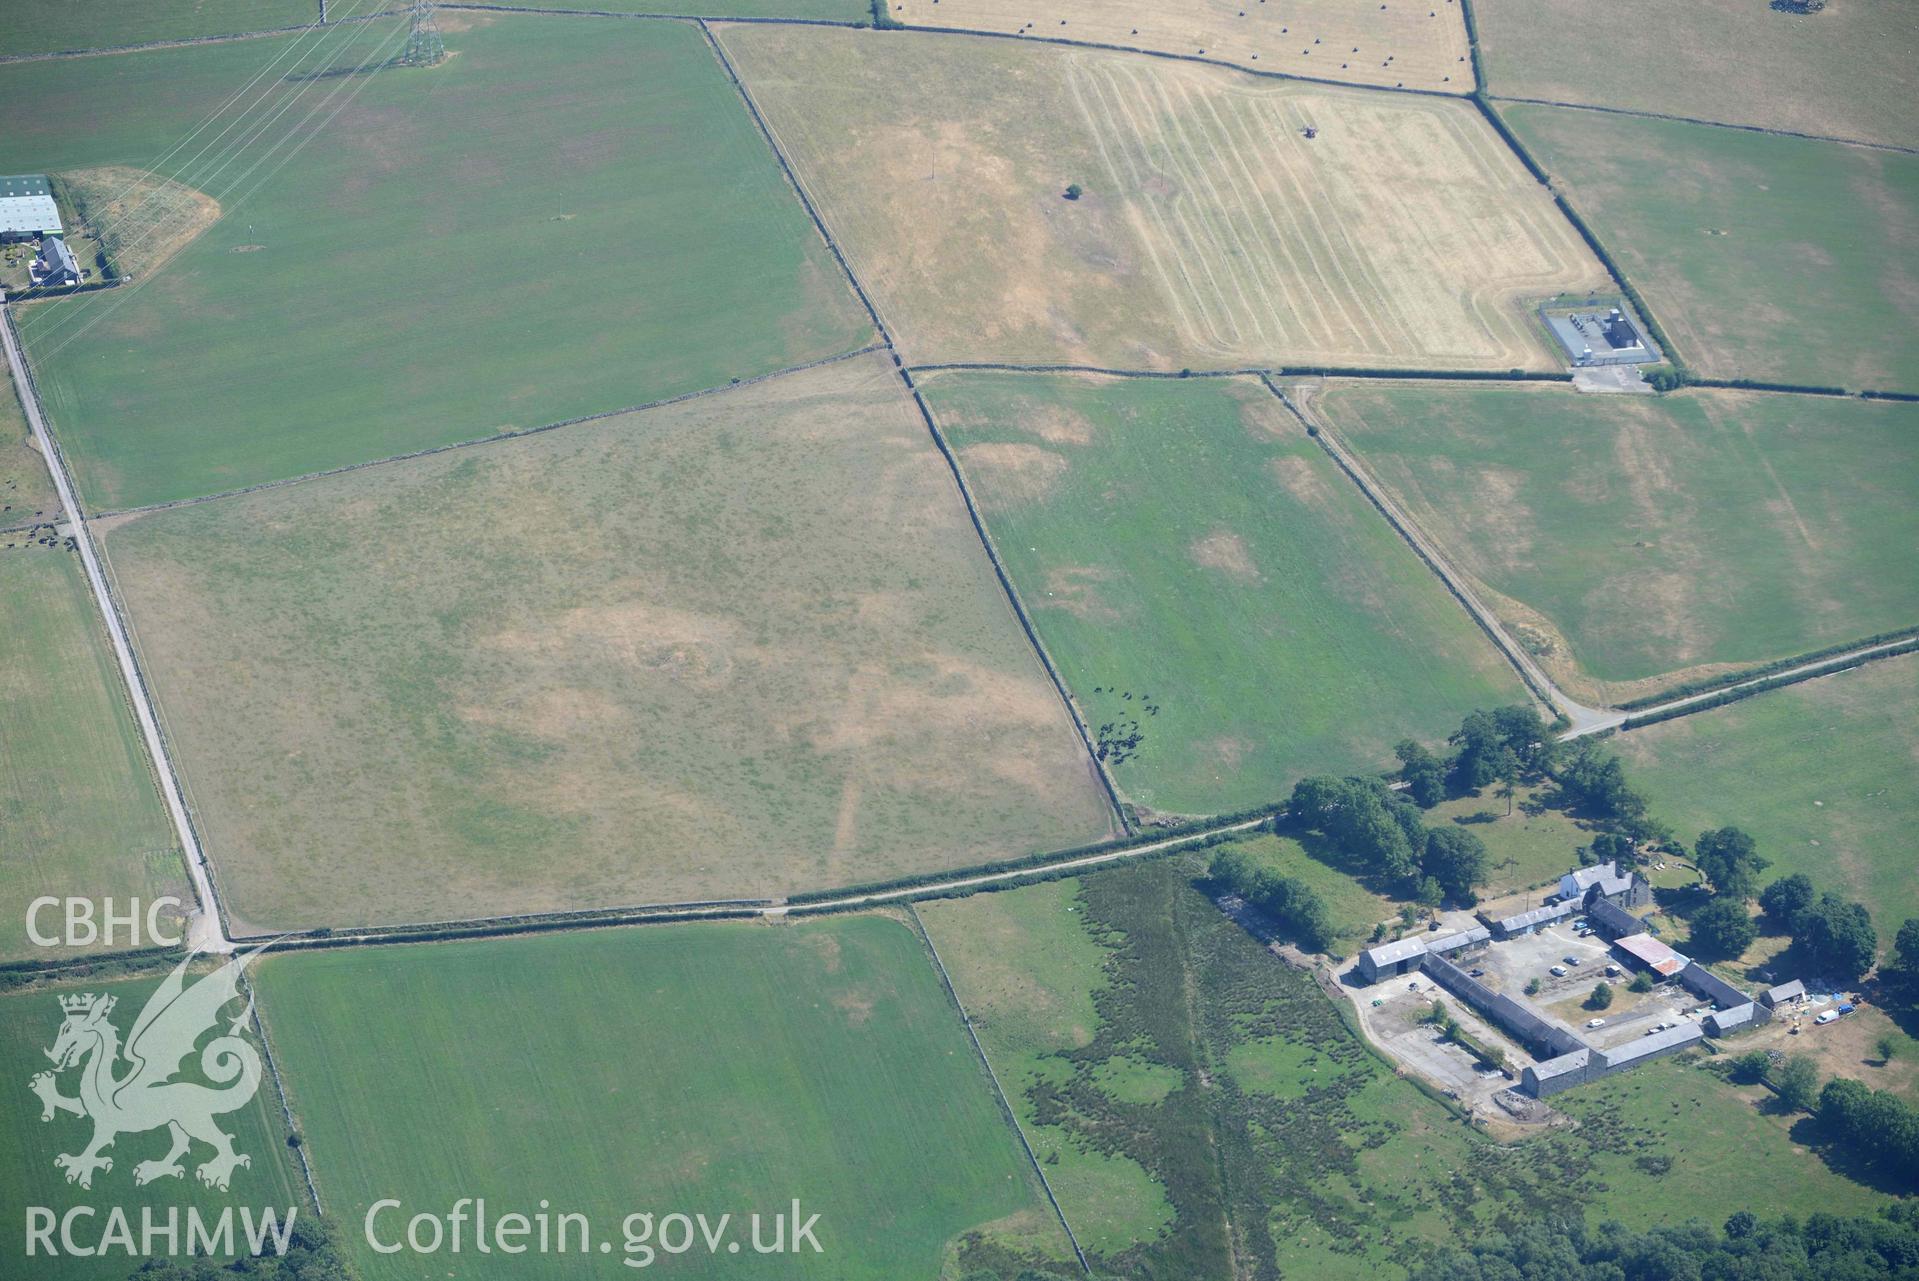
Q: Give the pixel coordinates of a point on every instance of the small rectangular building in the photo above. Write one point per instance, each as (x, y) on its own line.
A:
(1554, 1075)
(1646, 1048)
(27, 208)
(1774, 997)
(1720, 1022)
(1649, 953)
(1527, 922)
(1460, 941)
(1388, 959)
(1613, 921)
(1722, 994)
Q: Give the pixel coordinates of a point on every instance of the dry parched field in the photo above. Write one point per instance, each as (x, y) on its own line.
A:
(736, 647)
(1211, 232)
(1417, 44)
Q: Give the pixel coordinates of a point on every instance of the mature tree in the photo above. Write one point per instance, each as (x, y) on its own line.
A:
(1729, 859)
(1593, 778)
(1456, 859)
(1797, 1081)
(1838, 938)
(1428, 892)
(1750, 1067)
(1722, 927)
(1611, 847)
(1601, 996)
(1785, 899)
(1641, 982)
(1906, 943)
(1423, 773)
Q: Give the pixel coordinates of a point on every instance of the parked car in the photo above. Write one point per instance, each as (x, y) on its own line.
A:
(1827, 1017)
(1558, 971)
(1613, 971)
(1570, 960)
(1478, 974)
(1595, 1023)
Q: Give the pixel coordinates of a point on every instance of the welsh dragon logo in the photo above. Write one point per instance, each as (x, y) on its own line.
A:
(132, 1088)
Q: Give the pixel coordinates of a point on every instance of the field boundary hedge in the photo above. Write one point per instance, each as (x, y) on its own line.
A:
(1711, 683)
(1721, 699)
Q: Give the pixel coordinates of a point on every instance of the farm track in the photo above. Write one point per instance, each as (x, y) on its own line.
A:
(210, 931)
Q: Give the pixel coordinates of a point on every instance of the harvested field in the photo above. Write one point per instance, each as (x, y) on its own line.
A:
(79, 811)
(1845, 72)
(141, 219)
(1769, 258)
(1228, 611)
(1632, 541)
(1210, 231)
(1357, 41)
(567, 216)
(719, 1068)
(741, 646)
(51, 26)
(29, 1022)
(1821, 774)
(829, 10)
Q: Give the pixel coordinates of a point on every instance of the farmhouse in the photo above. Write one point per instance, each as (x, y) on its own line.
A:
(1604, 882)
(56, 266)
(26, 208)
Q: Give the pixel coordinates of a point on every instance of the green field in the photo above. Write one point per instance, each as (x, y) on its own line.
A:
(1185, 546)
(26, 490)
(1626, 539)
(79, 813)
(1530, 846)
(29, 1023)
(567, 216)
(1354, 908)
(698, 1069)
(47, 26)
(1821, 774)
(1767, 258)
(832, 10)
(1277, 1131)
(744, 645)
(1843, 72)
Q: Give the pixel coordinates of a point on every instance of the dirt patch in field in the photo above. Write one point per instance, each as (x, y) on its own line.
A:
(1225, 551)
(142, 219)
(1058, 425)
(1302, 480)
(1008, 474)
(1075, 589)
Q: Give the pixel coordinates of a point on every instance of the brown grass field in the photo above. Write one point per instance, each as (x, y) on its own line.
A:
(143, 219)
(1407, 44)
(1211, 233)
(1845, 72)
(740, 646)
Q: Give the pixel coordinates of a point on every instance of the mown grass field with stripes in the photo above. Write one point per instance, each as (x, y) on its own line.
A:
(1355, 41)
(1209, 232)
(1632, 542)
(1210, 584)
(567, 216)
(708, 1069)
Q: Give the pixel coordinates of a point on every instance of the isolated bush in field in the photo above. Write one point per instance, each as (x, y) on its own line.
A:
(1641, 982)
(1532, 987)
(1073, 191)
(1601, 997)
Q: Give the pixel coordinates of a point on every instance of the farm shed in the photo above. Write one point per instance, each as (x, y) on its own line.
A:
(1554, 1075)
(1633, 1053)
(1459, 941)
(1614, 921)
(26, 207)
(1699, 979)
(1774, 997)
(1388, 959)
(1731, 1019)
(1527, 922)
(1649, 952)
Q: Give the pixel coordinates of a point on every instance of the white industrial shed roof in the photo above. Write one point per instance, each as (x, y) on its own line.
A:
(26, 205)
